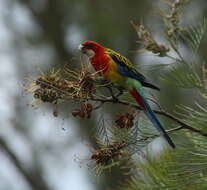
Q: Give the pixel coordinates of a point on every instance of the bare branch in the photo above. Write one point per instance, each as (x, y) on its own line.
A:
(184, 125)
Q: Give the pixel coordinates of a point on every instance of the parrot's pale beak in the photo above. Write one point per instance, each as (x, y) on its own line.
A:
(80, 47)
(84, 50)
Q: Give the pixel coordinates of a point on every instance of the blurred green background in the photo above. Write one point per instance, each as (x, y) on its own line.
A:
(38, 151)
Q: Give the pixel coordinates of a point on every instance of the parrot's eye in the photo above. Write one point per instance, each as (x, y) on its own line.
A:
(90, 45)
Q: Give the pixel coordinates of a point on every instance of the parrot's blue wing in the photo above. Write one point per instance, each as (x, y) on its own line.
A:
(126, 68)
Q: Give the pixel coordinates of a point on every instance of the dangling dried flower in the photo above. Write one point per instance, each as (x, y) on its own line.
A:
(55, 111)
(84, 111)
(125, 120)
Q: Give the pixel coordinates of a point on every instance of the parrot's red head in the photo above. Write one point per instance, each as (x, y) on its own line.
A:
(90, 48)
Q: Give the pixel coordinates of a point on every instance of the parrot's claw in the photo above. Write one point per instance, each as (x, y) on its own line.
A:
(115, 99)
(104, 82)
(119, 93)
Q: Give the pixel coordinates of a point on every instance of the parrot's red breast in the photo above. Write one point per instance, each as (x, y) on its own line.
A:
(100, 62)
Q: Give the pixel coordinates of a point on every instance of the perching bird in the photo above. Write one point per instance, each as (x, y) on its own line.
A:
(118, 69)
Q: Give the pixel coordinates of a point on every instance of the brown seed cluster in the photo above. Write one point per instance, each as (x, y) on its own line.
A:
(146, 39)
(125, 120)
(51, 88)
(172, 17)
(84, 112)
(104, 156)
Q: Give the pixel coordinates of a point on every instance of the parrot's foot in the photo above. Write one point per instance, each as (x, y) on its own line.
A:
(119, 93)
(104, 82)
(115, 99)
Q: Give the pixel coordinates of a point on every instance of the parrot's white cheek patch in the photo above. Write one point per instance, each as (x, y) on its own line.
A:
(89, 52)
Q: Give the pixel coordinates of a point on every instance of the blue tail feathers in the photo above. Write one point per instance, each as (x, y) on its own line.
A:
(151, 115)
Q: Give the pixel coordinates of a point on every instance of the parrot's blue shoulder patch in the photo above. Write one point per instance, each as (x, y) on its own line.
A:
(127, 71)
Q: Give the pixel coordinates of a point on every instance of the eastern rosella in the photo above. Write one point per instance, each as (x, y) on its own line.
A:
(118, 69)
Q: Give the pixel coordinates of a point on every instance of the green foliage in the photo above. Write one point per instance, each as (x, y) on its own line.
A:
(182, 74)
(194, 116)
(192, 36)
(187, 73)
(185, 168)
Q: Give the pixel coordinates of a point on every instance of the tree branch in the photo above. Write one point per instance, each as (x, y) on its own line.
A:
(33, 177)
(184, 125)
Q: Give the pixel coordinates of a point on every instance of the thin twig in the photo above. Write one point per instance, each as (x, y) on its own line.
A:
(104, 99)
(163, 113)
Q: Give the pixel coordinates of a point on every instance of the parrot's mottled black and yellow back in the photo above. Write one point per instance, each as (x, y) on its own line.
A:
(126, 68)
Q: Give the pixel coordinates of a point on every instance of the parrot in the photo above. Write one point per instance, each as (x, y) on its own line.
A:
(119, 70)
